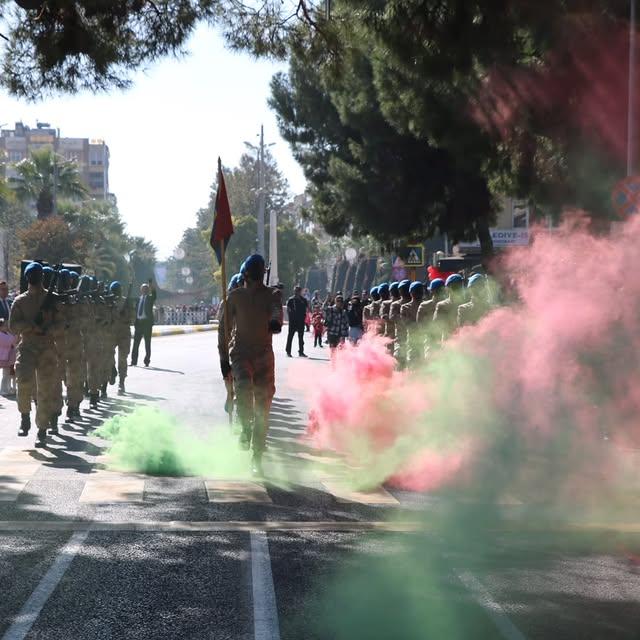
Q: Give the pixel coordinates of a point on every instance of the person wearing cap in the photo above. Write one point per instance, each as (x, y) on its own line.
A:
(254, 314)
(122, 318)
(36, 359)
(424, 318)
(471, 312)
(399, 327)
(409, 314)
(445, 315)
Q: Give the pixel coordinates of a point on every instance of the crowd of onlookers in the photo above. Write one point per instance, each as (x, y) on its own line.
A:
(186, 314)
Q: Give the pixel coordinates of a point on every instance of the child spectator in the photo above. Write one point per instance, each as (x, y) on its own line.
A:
(318, 327)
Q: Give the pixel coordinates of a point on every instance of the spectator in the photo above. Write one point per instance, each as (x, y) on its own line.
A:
(318, 327)
(297, 307)
(337, 323)
(356, 326)
(316, 303)
(5, 303)
(8, 344)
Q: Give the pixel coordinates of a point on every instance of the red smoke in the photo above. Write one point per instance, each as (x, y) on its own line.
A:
(557, 373)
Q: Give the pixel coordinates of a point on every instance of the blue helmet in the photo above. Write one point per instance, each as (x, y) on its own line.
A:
(46, 269)
(454, 280)
(115, 287)
(33, 267)
(393, 287)
(254, 266)
(436, 283)
(475, 279)
(415, 286)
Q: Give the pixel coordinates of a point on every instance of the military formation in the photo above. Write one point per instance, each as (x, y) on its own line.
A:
(69, 329)
(418, 318)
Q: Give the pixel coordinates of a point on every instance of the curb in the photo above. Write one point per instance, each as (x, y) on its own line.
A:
(182, 329)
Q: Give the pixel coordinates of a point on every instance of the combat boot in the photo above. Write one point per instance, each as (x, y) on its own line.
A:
(121, 390)
(93, 401)
(41, 440)
(53, 426)
(114, 373)
(103, 390)
(25, 424)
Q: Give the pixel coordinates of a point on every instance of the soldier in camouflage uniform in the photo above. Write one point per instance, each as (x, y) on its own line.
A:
(254, 314)
(478, 305)
(426, 311)
(409, 314)
(399, 329)
(77, 321)
(445, 317)
(36, 355)
(371, 312)
(385, 307)
(123, 317)
(90, 343)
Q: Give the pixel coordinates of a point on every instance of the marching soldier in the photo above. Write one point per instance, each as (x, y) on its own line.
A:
(91, 345)
(426, 310)
(123, 318)
(371, 312)
(75, 320)
(409, 315)
(385, 307)
(254, 314)
(445, 316)
(32, 320)
(399, 327)
(472, 311)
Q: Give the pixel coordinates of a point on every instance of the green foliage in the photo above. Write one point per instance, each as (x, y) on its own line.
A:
(43, 176)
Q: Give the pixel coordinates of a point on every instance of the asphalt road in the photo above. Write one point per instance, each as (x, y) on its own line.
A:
(89, 552)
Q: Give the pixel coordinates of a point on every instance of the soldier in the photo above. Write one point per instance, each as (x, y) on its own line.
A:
(409, 315)
(368, 313)
(36, 361)
(426, 310)
(472, 311)
(123, 317)
(74, 351)
(60, 339)
(104, 338)
(254, 314)
(385, 307)
(399, 328)
(445, 316)
(91, 346)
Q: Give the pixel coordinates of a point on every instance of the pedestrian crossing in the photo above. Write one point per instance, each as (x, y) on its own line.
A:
(19, 468)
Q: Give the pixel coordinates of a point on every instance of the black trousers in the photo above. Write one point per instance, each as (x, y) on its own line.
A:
(143, 329)
(299, 329)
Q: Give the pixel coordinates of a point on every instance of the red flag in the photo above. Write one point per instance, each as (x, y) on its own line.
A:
(222, 224)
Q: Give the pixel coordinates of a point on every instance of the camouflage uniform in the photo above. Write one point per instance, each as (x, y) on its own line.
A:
(123, 318)
(91, 346)
(413, 339)
(36, 359)
(399, 332)
(60, 339)
(250, 353)
(75, 321)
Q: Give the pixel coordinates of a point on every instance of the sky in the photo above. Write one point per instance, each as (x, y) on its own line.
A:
(166, 132)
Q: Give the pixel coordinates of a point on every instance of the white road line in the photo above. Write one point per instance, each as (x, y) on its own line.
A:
(497, 614)
(34, 605)
(265, 610)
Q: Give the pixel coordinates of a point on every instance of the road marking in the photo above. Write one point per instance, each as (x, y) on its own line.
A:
(107, 488)
(344, 495)
(265, 610)
(34, 605)
(497, 614)
(224, 491)
(12, 526)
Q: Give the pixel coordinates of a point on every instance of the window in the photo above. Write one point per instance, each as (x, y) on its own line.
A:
(96, 181)
(15, 156)
(72, 156)
(95, 157)
(520, 215)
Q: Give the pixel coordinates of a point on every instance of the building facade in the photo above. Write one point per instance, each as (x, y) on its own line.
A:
(91, 155)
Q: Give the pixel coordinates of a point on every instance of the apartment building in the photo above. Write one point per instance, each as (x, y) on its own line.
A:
(91, 155)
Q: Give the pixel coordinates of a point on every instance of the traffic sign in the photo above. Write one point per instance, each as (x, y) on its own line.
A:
(412, 255)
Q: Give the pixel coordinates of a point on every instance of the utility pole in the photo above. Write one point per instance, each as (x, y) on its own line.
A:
(273, 247)
(55, 171)
(261, 193)
(631, 125)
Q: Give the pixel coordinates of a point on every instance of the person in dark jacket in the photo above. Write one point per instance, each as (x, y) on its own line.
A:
(144, 323)
(297, 307)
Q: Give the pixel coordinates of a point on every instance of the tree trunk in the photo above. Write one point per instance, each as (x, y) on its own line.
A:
(486, 242)
(44, 205)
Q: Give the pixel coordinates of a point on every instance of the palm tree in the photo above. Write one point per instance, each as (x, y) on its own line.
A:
(35, 181)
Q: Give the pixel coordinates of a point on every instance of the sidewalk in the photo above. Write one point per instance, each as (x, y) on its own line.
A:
(179, 329)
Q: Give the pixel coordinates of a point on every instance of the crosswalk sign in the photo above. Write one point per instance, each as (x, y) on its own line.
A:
(413, 255)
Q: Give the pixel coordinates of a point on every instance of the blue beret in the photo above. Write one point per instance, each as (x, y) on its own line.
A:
(394, 286)
(233, 283)
(415, 286)
(65, 272)
(85, 283)
(475, 279)
(47, 270)
(453, 279)
(254, 260)
(115, 286)
(74, 274)
(405, 284)
(436, 283)
(33, 266)
(374, 291)
(383, 288)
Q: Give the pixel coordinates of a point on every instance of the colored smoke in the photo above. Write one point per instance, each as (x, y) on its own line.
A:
(540, 399)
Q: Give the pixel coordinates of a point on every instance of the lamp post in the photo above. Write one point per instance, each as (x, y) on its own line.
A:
(631, 160)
